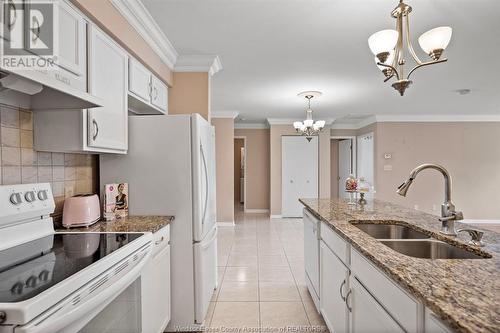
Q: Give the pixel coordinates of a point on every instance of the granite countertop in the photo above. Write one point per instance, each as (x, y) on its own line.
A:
(126, 224)
(464, 293)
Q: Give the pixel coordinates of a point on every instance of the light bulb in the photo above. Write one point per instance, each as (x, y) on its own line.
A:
(308, 122)
(383, 41)
(297, 124)
(435, 39)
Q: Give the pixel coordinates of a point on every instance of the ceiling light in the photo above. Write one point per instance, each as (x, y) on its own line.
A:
(389, 49)
(309, 127)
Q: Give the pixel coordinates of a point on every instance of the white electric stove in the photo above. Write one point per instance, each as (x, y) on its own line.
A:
(58, 282)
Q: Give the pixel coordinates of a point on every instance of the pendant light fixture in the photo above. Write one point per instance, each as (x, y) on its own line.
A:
(388, 46)
(309, 127)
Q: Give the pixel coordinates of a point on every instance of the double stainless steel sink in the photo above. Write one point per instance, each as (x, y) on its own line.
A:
(414, 243)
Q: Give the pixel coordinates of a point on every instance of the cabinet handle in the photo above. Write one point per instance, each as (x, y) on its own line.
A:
(347, 300)
(341, 289)
(96, 129)
(156, 93)
(160, 241)
(36, 33)
(12, 8)
(150, 89)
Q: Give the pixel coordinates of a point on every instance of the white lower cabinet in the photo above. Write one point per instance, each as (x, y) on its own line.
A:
(334, 286)
(366, 314)
(155, 281)
(434, 324)
(311, 255)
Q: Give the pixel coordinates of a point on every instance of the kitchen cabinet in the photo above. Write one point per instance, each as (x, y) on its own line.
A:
(311, 255)
(433, 324)
(334, 286)
(367, 315)
(155, 281)
(146, 93)
(107, 126)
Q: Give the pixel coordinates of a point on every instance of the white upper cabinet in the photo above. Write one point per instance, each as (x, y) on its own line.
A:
(72, 40)
(107, 126)
(146, 93)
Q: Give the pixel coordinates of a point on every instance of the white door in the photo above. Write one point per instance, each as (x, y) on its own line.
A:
(139, 80)
(334, 277)
(345, 164)
(203, 150)
(299, 178)
(205, 274)
(365, 160)
(72, 40)
(367, 315)
(107, 125)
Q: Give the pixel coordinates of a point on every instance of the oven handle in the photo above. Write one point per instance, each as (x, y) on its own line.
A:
(59, 321)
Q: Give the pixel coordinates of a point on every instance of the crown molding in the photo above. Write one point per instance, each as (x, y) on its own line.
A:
(436, 118)
(141, 20)
(251, 126)
(198, 63)
(224, 114)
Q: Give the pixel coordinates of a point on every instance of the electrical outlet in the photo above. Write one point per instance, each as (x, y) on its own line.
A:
(387, 167)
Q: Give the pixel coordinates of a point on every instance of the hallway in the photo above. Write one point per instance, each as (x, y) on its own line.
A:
(261, 278)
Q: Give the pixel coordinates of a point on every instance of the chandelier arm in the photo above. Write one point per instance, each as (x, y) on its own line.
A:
(425, 64)
(395, 71)
(388, 78)
(408, 42)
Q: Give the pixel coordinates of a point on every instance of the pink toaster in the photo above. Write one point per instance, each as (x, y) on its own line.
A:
(81, 211)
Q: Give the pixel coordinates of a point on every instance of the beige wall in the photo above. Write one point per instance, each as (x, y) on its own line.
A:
(224, 153)
(277, 131)
(258, 167)
(469, 151)
(108, 18)
(190, 94)
(334, 167)
(238, 144)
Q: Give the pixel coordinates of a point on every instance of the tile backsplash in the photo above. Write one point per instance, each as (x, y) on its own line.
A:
(68, 174)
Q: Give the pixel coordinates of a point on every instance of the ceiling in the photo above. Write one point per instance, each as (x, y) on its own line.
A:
(273, 49)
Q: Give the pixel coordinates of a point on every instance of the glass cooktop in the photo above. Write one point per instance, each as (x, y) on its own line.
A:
(28, 269)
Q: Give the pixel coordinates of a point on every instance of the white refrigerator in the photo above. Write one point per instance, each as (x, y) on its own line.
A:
(170, 169)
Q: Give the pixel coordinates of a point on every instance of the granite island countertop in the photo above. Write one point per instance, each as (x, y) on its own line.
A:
(126, 224)
(464, 293)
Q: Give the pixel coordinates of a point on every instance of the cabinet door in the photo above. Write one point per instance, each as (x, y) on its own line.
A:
(72, 40)
(333, 286)
(107, 125)
(156, 293)
(159, 97)
(139, 81)
(311, 251)
(367, 315)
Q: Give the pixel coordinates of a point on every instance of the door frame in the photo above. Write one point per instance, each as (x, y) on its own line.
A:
(354, 153)
(244, 171)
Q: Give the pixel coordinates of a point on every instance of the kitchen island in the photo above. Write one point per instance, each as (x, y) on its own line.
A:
(463, 294)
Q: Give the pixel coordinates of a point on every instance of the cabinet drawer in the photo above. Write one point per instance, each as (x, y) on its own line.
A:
(398, 303)
(335, 243)
(161, 239)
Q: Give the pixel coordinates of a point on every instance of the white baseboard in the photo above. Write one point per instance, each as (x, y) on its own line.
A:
(225, 224)
(276, 216)
(472, 221)
(257, 211)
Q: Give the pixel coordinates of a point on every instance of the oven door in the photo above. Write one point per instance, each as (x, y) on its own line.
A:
(95, 307)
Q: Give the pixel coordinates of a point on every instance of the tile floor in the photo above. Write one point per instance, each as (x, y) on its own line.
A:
(261, 278)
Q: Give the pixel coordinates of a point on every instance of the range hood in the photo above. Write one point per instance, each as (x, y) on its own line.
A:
(45, 93)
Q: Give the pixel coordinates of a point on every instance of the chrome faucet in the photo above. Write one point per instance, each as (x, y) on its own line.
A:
(448, 213)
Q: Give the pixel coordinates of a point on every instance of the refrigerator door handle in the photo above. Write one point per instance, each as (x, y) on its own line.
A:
(206, 184)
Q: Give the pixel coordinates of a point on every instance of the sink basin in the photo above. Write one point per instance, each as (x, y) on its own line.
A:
(390, 231)
(430, 249)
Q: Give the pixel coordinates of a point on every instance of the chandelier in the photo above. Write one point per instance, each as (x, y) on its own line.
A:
(309, 127)
(388, 47)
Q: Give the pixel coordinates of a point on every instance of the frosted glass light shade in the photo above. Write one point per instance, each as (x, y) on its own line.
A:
(320, 123)
(435, 39)
(308, 122)
(383, 41)
(297, 124)
(302, 127)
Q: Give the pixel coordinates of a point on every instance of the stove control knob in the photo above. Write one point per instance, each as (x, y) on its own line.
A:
(42, 195)
(30, 196)
(16, 199)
